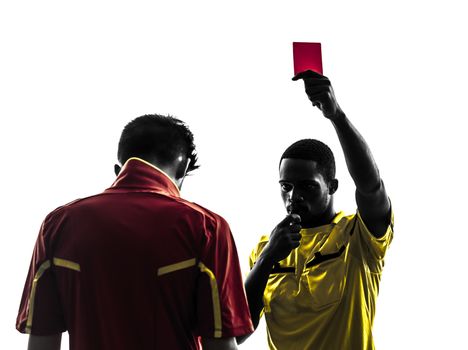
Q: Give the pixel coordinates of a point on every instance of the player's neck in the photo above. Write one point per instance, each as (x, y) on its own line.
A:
(325, 219)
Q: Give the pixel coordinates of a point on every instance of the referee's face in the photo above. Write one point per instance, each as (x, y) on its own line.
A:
(304, 190)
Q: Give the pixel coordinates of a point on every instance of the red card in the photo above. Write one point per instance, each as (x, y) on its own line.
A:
(307, 56)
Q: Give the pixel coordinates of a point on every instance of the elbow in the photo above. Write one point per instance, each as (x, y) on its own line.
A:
(241, 339)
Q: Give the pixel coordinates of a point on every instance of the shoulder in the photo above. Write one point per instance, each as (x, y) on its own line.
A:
(60, 211)
(211, 223)
(354, 222)
(347, 219)
(365, 244)
(264, 239)
(257, 250)
(200, 210)
(68, 210)
(70, 206)
(55, 221)
(387, 233)
(344, 223)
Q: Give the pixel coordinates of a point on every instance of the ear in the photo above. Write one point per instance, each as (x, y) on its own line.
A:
(332, 186)
(117, 169)
(182, 168)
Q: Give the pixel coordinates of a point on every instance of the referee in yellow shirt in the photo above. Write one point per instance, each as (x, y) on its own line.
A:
(316, 276)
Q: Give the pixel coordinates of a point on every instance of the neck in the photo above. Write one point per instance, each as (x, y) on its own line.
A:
(324, 219)
(170, 171)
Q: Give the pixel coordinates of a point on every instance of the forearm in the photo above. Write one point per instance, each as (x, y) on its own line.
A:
(45, 342)
(255, 286)
(359, 159)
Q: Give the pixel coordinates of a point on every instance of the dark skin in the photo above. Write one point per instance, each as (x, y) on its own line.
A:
(306, 192)
(45, 342)
(308, 196)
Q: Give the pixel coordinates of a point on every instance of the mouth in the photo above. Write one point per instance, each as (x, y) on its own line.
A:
(295, 209)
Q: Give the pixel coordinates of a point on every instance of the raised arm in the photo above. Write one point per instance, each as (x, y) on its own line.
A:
(371, 197)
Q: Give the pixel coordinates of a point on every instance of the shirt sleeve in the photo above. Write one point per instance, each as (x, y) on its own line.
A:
(257, 251)
(373, 249)
(40, 311)
(252, 258)
(222, 309)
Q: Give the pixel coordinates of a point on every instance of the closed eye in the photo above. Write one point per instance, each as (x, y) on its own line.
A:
(310, 185)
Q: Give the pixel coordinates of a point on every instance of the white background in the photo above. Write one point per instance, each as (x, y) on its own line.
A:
(73, 74)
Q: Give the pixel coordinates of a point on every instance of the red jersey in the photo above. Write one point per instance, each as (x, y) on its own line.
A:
(135, 267)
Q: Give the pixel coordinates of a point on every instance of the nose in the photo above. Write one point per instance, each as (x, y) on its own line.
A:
(295, 196)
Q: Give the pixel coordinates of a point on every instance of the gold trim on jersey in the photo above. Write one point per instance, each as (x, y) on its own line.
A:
(177, 266)
(44, 266)
(155, 167)
(67, 264)
(215, 296)
(338, 217)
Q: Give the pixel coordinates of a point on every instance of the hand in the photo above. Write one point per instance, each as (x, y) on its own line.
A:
(284, 238)
(320, 92)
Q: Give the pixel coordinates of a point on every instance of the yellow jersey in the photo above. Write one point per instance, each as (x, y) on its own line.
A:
(322, 296)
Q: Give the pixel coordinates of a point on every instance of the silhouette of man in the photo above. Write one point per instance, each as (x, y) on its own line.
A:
(137, 266)
(316, 277)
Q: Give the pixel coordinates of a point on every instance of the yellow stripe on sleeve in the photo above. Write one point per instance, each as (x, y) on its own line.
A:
(177, 266)
(44, 266)
(215, 297)
(67, 264)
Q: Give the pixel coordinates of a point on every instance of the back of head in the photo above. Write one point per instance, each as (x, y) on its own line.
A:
(310, 149)
(160, 137)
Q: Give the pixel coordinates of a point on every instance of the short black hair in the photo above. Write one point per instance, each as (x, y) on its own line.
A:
(160, 136)
(310, 149)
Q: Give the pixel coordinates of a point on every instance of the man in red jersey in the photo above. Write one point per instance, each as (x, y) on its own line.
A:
(137, 266)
